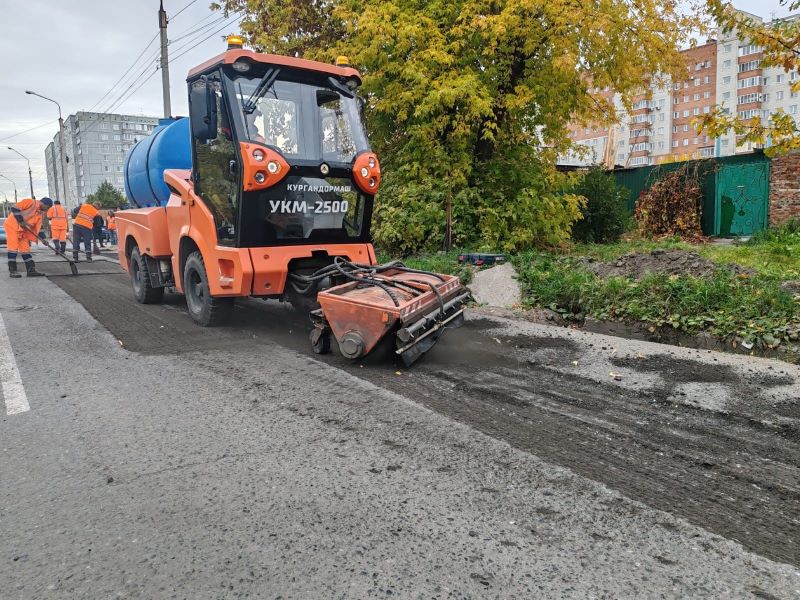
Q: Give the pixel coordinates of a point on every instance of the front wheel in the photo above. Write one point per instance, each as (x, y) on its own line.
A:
(143, 289)
(205, 309)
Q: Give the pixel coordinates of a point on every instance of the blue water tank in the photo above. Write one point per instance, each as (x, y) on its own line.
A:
(168, 147)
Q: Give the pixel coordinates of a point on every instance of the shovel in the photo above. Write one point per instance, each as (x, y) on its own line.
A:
(72, 266)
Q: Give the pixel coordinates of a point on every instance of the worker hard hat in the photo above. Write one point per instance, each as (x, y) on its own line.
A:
(46, 201)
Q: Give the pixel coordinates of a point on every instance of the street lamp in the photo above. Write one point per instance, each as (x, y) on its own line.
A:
(12, 183)
(30, 174)
(60, 143)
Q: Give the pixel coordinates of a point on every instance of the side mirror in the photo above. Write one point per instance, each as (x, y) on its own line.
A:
(203, 110)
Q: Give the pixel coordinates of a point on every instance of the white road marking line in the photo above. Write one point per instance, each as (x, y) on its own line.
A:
(13, 390)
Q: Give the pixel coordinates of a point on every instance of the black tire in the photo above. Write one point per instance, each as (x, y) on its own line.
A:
(320, 340)
(205, 309)
(143, 290)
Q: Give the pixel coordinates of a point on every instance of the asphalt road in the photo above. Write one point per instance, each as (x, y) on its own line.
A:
(145, 457)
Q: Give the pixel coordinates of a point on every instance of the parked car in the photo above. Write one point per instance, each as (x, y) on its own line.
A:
(2, 232)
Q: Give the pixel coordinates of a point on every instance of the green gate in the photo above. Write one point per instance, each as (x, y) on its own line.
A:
(742, 196)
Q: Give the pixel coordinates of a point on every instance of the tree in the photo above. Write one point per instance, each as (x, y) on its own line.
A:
(469, 100)
(108, 196)
(780, 41)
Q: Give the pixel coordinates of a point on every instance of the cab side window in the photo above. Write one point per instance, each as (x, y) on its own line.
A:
(217, 168)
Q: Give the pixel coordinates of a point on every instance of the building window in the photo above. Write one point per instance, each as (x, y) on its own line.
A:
(661, 117)
(706, 95)
(660, 145)
(686, 113)
(779, 78)
(103, 136)
(749, 49)
(750, 65)
(674, 129)
(706, 110)
(660, 130)
(116, 126)
(726, 64)
(727, 47)
(792, 109)
(697, 82)
(676, 115)
(103, 125)
(749, 82)
(706, 79)
(686, 142)
(726, 80)
(723, 142)
(677, 86)
(686, 98)
(778, 95)
(675, 144)
(694, 141)
(726, 95)
(676, 100)
(765, 97)
(696, 111)
(685, 128)
(697, 96)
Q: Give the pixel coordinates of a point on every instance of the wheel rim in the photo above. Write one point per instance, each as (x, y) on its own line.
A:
(195, 291)
(137, 276)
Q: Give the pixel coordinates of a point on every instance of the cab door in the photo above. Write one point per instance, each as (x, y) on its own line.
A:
(216, 159)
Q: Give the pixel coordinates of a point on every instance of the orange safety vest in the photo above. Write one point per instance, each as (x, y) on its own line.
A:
(29, 209)
(112, 223)
(58, 217)
(86, 215)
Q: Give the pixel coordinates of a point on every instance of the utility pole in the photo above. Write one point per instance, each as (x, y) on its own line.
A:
(60, 144)
(30, 174)
(162, 26)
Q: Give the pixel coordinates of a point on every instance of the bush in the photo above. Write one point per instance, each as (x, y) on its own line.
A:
(517, 204)
(605, 216)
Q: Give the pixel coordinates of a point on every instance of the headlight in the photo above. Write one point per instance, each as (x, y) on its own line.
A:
(273, 167)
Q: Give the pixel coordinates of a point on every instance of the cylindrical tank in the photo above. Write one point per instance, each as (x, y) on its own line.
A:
(168, 147)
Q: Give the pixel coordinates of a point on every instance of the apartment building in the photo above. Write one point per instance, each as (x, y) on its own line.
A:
(95, 145)
(725, 71)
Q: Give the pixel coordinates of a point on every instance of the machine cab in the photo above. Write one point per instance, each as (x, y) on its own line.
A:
(280, 156)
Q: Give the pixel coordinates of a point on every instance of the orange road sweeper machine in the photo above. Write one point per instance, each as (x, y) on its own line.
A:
(267, 190)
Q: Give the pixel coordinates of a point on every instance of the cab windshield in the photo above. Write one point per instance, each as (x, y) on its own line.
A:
(307, 123)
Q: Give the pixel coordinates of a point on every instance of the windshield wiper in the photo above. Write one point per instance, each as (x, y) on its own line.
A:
(266, 82)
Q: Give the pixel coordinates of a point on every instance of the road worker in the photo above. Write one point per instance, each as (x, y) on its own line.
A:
(97, 232)
(112, 228)
(23, 227)
(82, 229)
(58, 226)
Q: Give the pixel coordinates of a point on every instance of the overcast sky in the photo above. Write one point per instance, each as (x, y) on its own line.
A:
(75, 51)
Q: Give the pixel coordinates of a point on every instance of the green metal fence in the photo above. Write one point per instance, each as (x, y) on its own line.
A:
(735, 191)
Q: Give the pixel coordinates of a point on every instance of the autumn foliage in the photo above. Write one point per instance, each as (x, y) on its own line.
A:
(468, 102)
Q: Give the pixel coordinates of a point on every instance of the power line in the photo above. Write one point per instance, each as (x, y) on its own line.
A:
(126, 72)
(183, 9)
(208, 16)
(25, 131)
(226, 25)
(198, 29)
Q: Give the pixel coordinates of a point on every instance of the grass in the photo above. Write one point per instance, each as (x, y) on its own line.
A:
(752, 308)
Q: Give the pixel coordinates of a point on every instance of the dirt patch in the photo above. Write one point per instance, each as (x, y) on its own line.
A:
(636, 265)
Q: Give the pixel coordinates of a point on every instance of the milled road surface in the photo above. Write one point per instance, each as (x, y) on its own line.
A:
(161, 459)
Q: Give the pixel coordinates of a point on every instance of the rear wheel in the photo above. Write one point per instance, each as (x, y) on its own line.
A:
(143, 290)
(205, 309)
